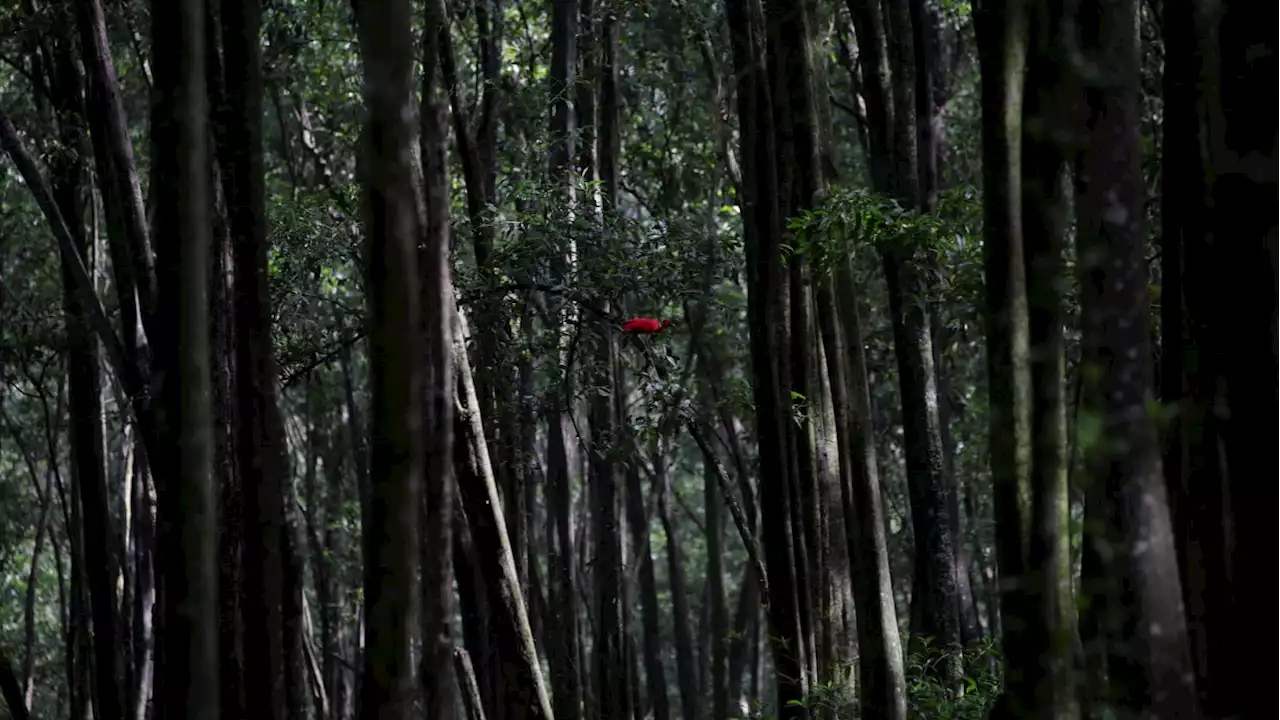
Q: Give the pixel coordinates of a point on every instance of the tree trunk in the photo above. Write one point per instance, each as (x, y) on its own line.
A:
(1212, 55)
(523, 694)
(1148, 656)
(566, 676)
(1192, 467)
(881, 676)
(296, 688)
(1047, 105)
(388, 684)
(686, 666)
(132, 260)
(187, 531)
(1002, 39)
(85, 410)
(11, 690)
(272, 664)
(638, 521)
(767, 304)
(1244, 196)
(715, 593)
(474, 609)
(437, 318)
(230, 490)
(934, 582)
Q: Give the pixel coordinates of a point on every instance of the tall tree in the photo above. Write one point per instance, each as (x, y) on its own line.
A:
(566, 674)
(1002, 52)
(437, 319)
(767, 301)
(269, 556)
(934, 585)
(1245, 180)
(610, 667)
(1147, 653)
(391, 550)
(188, 663)
(1211, 350)
(88, 465)
(522, 695)
(1048, 108)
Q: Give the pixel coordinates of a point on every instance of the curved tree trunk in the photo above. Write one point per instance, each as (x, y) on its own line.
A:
(523, 695)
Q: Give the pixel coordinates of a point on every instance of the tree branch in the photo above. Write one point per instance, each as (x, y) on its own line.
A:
(123, 365)
(11, 690)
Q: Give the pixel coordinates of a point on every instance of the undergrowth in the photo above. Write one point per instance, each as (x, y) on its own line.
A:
(928, 697)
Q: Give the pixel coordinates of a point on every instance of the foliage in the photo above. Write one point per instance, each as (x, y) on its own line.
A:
(929, 698)
(851, 221)
(926, 696)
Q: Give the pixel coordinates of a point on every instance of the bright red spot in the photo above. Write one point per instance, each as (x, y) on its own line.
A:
(645, 325)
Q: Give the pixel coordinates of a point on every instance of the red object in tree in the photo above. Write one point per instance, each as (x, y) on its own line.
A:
(645, 325)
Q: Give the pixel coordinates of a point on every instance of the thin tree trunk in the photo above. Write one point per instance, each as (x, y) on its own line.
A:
(715, 594)
(524, 695)
(11, 690)
(566, 678)
(686, 666)
(437, 318)
(1002, 39)
(88, 466)
(132, 259)
(29, 601)
(296, 685)
(473, 609)
(144, 596)
(1047, 106)
(472, 708)
(655, 674)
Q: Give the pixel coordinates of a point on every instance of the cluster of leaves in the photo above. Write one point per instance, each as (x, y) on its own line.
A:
(927, 697)
(317, 277)
(946, 243)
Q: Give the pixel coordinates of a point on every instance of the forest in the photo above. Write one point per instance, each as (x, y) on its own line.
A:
(611, 360)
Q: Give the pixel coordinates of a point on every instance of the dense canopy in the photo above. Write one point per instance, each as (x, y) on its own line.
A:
(603, 360)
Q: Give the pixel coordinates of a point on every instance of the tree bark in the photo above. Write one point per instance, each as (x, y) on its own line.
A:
(11, 690)
(1192, 466)
(1148, 655)
(84, 406)
(566, 672)
(1047, 108)
(1002, 39)
(686, 667)
(767, 302)
(388, 684)
(437, 318)
(188, 663)
(881, 678)
(270, 671)
(523, 694)
(638, 522)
